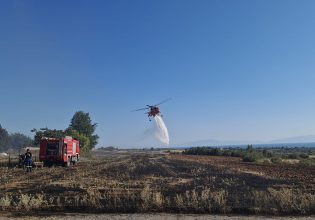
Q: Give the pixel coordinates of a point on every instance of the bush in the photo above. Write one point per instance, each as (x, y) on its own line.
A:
(213, 152)
(251, 157)
(226, 153)
(307, 162)
(293, 156)
(267, 153)
(276, 160)
(237, 154)
(203, 151)
(304, 156)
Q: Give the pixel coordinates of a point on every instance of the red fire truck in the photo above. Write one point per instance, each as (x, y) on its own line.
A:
(63, 151)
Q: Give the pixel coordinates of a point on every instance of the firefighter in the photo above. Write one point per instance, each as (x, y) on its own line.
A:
(22, 161)
(28, 160)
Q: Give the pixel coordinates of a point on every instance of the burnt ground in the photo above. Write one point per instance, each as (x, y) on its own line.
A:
(293, 174)
(161, 183)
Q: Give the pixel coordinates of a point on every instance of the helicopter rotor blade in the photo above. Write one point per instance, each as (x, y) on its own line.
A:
(141, 109)
(166, 100)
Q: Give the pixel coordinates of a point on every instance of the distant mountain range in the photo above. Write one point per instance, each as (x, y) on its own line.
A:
(298, 139)
(290, 140)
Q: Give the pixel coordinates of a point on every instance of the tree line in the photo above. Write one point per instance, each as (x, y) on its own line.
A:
(13, 141)
(80, 128)
(248, 155)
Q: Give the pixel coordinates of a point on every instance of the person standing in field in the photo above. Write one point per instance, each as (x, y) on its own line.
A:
(28, 160)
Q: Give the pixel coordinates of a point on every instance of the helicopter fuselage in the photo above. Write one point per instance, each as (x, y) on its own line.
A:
(153, 111)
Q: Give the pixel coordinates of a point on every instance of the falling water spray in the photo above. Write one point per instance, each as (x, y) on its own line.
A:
(161, 132)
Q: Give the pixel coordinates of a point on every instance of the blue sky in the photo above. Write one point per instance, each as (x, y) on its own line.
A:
(236, 70)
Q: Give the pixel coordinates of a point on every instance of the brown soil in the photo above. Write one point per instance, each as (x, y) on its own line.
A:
(292, 173)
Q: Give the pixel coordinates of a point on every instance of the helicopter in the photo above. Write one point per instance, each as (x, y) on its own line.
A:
(153, 110)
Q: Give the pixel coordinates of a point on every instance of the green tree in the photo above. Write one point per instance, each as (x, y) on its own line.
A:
(45, 132)
(82, 123)
(249, 148)
(84, 141)
(4, 139)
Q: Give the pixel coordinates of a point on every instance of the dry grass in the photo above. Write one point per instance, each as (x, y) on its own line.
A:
(286, 201)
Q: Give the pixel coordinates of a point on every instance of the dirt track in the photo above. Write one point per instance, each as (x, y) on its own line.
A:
(157, 216)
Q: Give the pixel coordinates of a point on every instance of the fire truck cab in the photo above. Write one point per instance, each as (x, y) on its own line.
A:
(59, 151)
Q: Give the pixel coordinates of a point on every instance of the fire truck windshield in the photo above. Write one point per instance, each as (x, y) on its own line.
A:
(52, 148)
